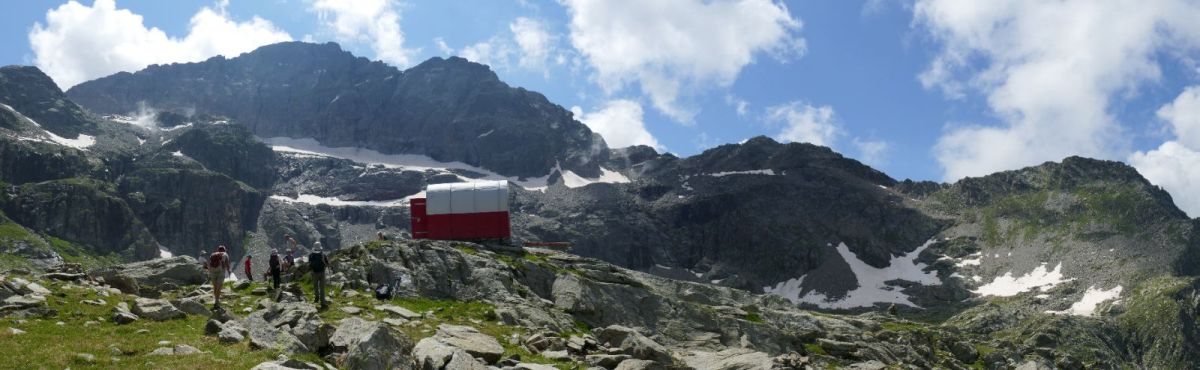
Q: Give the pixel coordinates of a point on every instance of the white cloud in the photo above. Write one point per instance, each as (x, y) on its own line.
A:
(79, 43)
(1049, 71)
(620, 123)
(805, 123)
(872, 152)
(535, 42)
(740, 105)
(372, 22)
(668, 47)
(441, 45)
(1184, 116)
(494, 52)
(1173, 165)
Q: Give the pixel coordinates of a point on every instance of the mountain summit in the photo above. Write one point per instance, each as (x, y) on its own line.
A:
(448, 109)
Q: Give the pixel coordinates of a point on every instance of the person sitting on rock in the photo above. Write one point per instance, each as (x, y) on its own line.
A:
(249, 273)
(290, 240)
(273, 268)
(317, 263)
(218, 267)
(381, 237)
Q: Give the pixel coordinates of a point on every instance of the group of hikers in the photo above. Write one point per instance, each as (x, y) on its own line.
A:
(219, 265)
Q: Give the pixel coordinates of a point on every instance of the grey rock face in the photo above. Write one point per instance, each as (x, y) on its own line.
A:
(85, 212)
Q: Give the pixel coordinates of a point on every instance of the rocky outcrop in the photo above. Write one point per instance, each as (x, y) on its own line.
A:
(85, 212)
(129, 278)
(192, 210)
(630, 342)
(229, 149)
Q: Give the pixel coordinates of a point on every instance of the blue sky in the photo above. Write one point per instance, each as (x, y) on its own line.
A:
(922, 89)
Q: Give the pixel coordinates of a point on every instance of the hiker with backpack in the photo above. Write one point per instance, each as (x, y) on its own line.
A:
(249, 274)
(317, 262)
(219, 266)
(273, 268)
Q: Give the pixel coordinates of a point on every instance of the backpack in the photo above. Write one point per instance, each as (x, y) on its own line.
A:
(216, 260)
(383, 292)
(274, 262)
(316, 261)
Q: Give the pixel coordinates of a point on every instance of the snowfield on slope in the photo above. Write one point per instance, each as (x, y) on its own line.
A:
(872, 282)
(416, 162)
(332, 201)
(1009, 285)
(81, 142)
(1092, 298)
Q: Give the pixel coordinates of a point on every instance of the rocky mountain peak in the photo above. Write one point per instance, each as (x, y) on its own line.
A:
(1072, 173)
(454, 66)
(448, 109)
(31, 92)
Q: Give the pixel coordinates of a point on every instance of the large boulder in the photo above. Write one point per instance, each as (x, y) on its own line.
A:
(468, 339)
(180, 270)
(636, 364)
(121, 314)
(730, 359)
(372, 345)
(195, 305)
(265, 335)
(432, 354)
(156, 309)
(633, 343)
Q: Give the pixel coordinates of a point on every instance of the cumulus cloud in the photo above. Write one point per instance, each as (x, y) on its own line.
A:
(804, 123)
(670, 47)
(620, 123)
(1049, 72)
(371, 22)
(872, 152)
(79, 43)
(529, 46)
(535, 42)
(494, 52)
(1173, 165)
(740, 105)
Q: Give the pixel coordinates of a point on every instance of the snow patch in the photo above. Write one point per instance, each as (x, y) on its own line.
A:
(768, 172)
(872, 282)
(164, 253)
(417, 162)
(1091, 298)
(1008, 285)
(178, 153)
(413, 162)
(318, 200)
(572, 180)
(81, 142)
(971, 261)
